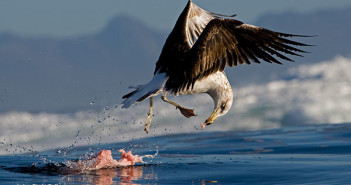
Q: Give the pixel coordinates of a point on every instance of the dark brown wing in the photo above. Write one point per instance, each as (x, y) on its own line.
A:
(230, 42)
(189, 26)
(197, 20)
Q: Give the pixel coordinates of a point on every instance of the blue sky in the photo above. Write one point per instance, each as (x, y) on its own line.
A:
(66, 18)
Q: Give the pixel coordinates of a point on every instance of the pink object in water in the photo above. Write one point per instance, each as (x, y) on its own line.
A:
(128, 159)
(103, 159)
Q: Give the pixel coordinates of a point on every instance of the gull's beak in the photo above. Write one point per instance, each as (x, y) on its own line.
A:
(211, 119)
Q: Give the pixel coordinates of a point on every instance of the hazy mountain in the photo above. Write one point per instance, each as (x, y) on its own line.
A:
(45, 74)
(53, 75)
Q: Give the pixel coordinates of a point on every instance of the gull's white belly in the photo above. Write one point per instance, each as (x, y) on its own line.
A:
(215, 82)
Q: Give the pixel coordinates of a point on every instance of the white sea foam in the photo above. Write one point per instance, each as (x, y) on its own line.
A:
(309, 94)
(319, 93)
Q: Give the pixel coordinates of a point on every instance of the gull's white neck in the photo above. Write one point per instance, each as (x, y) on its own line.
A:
(216, 85)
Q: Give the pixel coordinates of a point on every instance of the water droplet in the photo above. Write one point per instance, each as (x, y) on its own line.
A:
(77, 135)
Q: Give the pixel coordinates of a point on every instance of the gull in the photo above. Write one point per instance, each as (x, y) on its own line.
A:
(201, 45)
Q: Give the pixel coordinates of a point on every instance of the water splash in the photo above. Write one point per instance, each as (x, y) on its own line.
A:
(86, 163)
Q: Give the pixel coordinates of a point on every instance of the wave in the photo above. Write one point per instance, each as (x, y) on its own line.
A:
(308, 94)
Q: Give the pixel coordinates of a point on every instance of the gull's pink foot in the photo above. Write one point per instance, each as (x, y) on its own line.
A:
(203, 125)
(187, 112)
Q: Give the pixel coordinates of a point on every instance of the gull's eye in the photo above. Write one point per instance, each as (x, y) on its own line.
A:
(223, 106)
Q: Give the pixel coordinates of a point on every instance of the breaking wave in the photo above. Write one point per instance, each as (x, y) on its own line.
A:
(308, 94)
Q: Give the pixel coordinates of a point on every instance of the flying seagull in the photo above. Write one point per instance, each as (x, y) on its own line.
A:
(196, 52)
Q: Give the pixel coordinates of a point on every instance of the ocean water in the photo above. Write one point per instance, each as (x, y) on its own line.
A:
(310, 154)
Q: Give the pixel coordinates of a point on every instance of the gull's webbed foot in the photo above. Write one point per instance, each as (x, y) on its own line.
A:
(186, 112)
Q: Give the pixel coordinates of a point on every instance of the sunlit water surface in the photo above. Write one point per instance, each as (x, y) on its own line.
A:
(290, 155)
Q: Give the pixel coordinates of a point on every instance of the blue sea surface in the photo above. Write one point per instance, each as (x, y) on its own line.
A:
(308, 154)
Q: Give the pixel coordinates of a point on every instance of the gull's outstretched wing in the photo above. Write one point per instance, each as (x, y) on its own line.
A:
(203, 43)
(228, 42)
(189, 26)
(197, 20)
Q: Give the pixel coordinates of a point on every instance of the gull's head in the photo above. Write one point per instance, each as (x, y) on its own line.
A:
(223, 103)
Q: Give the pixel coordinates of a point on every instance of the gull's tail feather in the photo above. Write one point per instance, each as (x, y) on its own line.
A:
(153, 88)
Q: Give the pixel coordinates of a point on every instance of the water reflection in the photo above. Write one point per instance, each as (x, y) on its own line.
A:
(122, 176)
(130, 174)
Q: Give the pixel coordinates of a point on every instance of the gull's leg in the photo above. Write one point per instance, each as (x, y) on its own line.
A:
(149, 116)
(186, 112)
